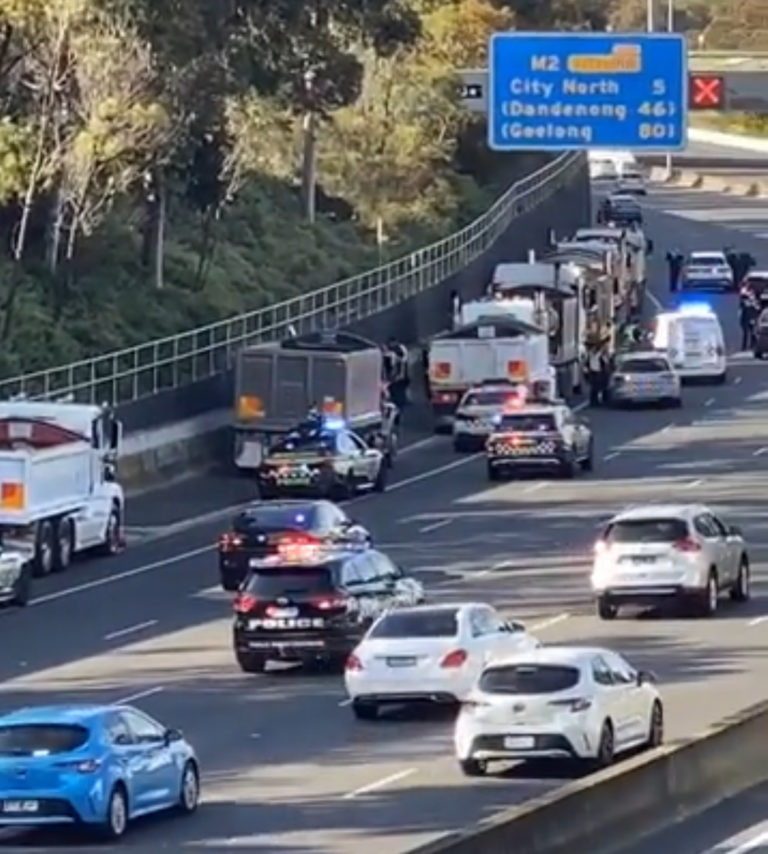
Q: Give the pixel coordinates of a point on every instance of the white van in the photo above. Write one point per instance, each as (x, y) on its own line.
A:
(692, 339)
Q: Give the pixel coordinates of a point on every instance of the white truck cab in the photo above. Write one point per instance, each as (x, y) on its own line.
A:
(58, 489)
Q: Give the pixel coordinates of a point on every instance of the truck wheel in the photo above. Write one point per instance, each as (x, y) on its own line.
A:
(45, 546)
(111, 544)
(65, 539)
(391, 454)
(380, 484)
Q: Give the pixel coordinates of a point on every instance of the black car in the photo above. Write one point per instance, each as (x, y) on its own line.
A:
(316, 612)
(323, 458)
(620, 210)
(282, 530)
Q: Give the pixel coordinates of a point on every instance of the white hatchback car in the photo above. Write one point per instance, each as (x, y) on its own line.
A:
(558, 702)
(428, 654)
(676, 552)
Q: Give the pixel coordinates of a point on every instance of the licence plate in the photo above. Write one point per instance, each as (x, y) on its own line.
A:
(401, 662)
(279, 613)
(21, 806)
(519, 742)
(643, 559)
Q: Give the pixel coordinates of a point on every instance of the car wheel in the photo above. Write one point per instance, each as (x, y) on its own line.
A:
(473, 767)
(494, 473)
(605, 748)
(189, 792)
(23, 587)
(459, 444)
(588, 463)
(116, 820)
(721, 379)
(708, 598)
(567, 469)
(606, 609)
(380, 484)
(655, 726)
(365, 711)
(741, 590)
(252, 663)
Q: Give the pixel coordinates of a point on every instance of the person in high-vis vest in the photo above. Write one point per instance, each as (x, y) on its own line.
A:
(597, 378)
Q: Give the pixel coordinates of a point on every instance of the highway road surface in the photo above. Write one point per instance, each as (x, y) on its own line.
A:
(736, 826)
(286, 767)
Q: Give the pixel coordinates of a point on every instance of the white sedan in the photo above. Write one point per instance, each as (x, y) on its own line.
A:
(558, 702)
(428, 654)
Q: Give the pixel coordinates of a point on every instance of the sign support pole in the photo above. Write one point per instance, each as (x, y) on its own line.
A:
(670, 29)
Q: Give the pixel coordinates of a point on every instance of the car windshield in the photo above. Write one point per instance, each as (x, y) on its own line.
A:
(707, 261)
(309, 442)
(41, 739)
(272, 582)
(646, 531)
(643, 366)
(276, 518)
(486, 398)
(529, 679)
(528, 423)
(440, 623)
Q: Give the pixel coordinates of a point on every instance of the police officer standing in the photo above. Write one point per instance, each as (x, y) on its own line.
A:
(597, 375)
(748, 312)
(397, 372)
(675, 261)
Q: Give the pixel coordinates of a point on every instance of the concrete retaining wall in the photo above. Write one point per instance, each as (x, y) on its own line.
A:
(604, 813)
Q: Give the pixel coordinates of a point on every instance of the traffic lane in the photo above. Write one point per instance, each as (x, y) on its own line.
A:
(716, 153)
(103, 611)
(735, 826)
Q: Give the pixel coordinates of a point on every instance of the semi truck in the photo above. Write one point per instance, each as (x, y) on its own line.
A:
(338, 373)
(59, 495)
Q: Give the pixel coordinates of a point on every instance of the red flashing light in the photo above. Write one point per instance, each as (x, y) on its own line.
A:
(353, 663)
(329, 603)
(230, 542)
(245, 602)
(687, 544)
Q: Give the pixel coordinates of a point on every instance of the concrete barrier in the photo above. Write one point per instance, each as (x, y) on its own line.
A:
(713, 182)
(603, 813)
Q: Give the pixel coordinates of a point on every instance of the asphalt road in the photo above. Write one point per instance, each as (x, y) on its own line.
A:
(736, 826)
(286, 766)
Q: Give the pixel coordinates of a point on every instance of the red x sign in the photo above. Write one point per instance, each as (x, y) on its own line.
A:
(706, 92)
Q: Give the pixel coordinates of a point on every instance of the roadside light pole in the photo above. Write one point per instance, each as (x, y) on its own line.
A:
(670, 28)
(309, 159)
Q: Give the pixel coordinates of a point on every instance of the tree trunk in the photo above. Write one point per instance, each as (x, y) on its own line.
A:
(55, 224)
(159, 231)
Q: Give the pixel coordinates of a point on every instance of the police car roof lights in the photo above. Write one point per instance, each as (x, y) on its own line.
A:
(333, 423)
(697, 307)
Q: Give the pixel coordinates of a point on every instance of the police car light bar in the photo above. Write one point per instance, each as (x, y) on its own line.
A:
(695, 308)
(330, 423)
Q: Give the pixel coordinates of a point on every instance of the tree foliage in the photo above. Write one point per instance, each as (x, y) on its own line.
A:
(151, 151)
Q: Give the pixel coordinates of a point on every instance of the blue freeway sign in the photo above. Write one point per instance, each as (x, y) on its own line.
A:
(570, 91)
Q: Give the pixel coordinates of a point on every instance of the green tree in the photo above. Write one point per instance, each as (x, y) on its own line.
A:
(457, 33)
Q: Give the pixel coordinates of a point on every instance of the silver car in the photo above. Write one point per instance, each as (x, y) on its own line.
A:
(669, 553)
(644, 378)
(15, 576)
(474, 419)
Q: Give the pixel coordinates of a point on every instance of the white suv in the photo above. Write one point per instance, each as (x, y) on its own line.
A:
(648, 555)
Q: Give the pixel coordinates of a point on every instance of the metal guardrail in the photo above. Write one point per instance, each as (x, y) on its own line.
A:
(131, 374)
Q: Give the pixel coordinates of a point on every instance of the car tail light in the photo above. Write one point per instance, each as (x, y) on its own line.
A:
(329, 603)
(353, 663)
(687, 544)
(245, 602)
(298, 547)
(229, 542)
(82, 766)
(577, 704)
(457, 658)
(601, 547)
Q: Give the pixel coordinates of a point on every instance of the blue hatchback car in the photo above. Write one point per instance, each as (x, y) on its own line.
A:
(95, 766)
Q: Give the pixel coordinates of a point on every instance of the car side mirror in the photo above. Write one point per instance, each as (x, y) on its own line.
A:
(734, 531)
(173, 735)
(645, 677)
(513, 627)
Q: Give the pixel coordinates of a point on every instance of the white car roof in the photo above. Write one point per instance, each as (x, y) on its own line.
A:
(655, 511)
(575, 656)
(622, 197)
(718, 253)
(641, 354)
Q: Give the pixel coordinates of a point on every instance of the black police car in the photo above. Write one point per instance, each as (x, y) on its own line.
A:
(285, 529)
(316, 611)
(620, 210)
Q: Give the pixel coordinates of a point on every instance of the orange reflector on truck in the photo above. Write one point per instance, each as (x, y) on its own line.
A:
(249, 407)
(332, 407)
(517, 370)
(12, 496)
(441, 370)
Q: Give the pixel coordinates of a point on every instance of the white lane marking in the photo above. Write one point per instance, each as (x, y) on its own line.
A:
(666, 428)
(758, 620)
(760, 451)
(347, 702)
(550, 621)
(379, 784)
(655, 300)
(535, 487)
(693, 484)
(140, 695)
(612, 455)
(434, 526)
(750, 844)
(737, 380)
(709, 402)
(255, 735)
(129, 630)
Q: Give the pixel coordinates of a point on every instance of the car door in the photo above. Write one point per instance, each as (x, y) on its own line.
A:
(358, 577)
(371, 456)
(403, 590)
(613, 700)
(731, 546)
(570, 431)
(485, 642)
(161, 775)
(715, 544)
(128, 758)
(635, 697)
(355, 450)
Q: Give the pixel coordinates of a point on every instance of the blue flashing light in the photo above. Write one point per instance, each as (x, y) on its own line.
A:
(497, 419)
(697, 307)
(331, 423)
